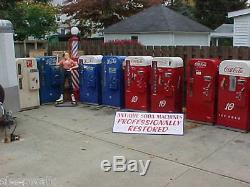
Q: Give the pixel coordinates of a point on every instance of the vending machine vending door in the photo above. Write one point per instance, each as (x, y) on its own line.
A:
(90, 79)
(137, 83)
(55, 76)
(28, 78)
(202, 81)
(166, 87)
(113, 86)
(233, 97)
(50, 79)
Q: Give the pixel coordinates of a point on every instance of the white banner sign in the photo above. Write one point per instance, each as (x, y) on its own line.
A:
(148, 123)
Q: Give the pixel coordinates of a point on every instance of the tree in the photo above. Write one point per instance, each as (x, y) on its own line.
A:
(183, 8)
(5, 7)
(33, 19)
(93, 15)
(213, 13)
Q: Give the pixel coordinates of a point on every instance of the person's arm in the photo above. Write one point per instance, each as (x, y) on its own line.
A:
(74, 65)
(60, 63)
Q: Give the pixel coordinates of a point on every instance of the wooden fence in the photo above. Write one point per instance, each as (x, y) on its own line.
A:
(185, 52)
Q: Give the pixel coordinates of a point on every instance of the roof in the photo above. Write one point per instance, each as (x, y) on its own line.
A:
(225, 28)
(156, 19)
(239, 13)
(224, 31)
(6, 26)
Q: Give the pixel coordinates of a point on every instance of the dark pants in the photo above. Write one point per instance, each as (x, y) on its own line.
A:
(66, 75)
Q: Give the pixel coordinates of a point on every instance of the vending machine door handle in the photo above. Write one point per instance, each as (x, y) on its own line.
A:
(179, 82)
(191, 82)
(223, 82)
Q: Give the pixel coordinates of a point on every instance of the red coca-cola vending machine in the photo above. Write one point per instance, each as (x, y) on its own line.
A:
(234, 94)
(137, 82)
(202, 85)
(166, 86)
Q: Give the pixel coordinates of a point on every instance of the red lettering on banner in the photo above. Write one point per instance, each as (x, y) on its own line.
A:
(149, 123)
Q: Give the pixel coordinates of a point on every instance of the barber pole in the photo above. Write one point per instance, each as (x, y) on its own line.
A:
(74, 45)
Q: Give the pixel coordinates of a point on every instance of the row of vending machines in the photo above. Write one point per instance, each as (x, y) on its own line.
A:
(216, 92)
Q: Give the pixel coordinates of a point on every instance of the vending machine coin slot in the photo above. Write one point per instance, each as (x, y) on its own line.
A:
(33, 79)
(20, 77)
(19, 69)
(20, 84)
(113, 79)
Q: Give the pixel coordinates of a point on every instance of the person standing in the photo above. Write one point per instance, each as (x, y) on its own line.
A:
(67, 65)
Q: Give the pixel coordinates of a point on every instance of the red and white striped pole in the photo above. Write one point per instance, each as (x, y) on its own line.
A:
(73, 48)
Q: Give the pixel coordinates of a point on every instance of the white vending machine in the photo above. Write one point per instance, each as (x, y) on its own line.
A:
(8, 78)
(28, 83)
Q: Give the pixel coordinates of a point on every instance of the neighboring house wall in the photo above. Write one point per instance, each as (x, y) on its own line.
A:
(167, 39)
(111, 37)
(242, 31)
(192, 39)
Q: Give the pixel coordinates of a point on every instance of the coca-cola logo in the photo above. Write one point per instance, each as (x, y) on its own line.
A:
(236, 70)
(200, 64)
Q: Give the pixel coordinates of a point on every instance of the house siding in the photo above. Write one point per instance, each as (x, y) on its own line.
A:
(166, 39)
(192, 39)
(242, 31)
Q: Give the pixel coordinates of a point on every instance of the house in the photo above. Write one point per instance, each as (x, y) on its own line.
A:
(63, 22)
(241, 35)
(159, 26)
(223, 35)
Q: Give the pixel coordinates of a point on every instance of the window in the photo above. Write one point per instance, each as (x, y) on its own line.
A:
(134, 38)
(62, 31)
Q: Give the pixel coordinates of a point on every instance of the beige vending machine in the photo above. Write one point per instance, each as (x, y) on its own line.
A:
(28, 83)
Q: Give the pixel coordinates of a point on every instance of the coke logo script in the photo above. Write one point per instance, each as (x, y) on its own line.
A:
(200, 64)
(237, 70)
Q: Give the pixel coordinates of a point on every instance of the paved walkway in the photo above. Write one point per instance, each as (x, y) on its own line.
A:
(65, 147)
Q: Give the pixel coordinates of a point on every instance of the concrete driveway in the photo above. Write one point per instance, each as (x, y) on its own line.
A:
(64, 147)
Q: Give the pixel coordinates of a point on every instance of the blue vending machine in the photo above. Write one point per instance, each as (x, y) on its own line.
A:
(50, 79)
(90, 79)
(113, 81)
